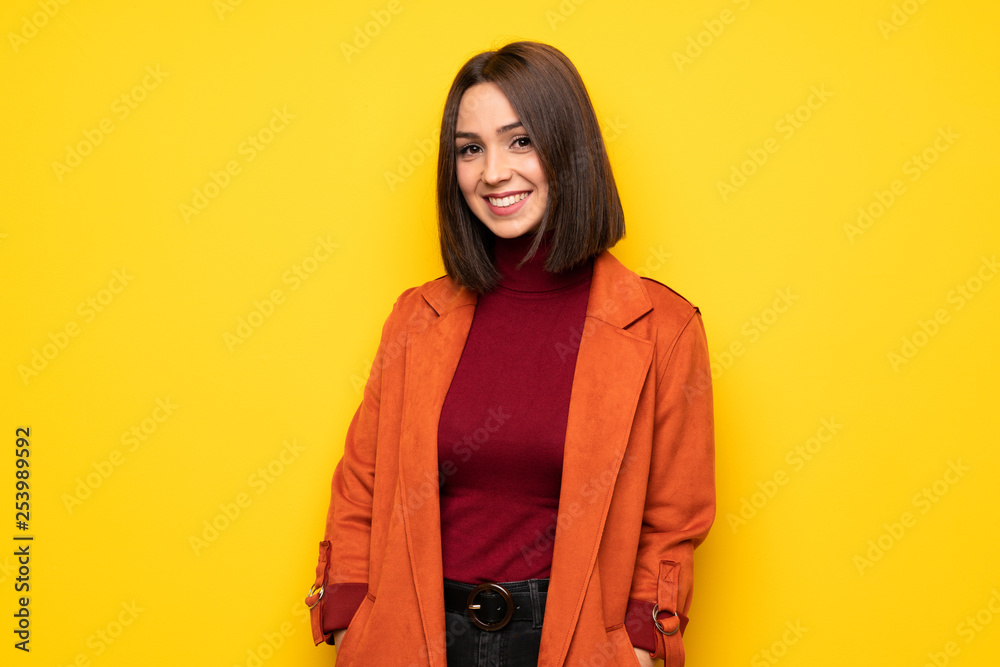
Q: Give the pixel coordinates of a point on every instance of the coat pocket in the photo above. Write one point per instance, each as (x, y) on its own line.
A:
(622, 652)
(354, 630)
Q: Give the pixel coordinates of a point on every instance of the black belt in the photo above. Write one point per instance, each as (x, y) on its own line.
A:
(492, 606)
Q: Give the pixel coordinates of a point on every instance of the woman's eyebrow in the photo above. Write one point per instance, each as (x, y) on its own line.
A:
(500, 130)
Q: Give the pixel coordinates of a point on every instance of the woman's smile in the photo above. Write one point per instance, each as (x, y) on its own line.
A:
(506, 203)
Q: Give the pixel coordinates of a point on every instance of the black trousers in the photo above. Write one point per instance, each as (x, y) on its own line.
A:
(514, 645)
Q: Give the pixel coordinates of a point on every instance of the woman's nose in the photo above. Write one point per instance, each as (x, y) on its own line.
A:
(496, 168)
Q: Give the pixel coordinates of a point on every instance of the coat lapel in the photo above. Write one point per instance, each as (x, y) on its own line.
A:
(610, 370)
(611, 367)
(432, 355)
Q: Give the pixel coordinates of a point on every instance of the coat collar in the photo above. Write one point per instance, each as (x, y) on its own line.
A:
(602, 405)
(616, 294)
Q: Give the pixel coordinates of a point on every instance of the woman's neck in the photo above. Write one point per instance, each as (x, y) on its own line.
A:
(532, 276)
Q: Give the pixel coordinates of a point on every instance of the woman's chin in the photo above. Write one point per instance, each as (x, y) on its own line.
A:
(510, 229)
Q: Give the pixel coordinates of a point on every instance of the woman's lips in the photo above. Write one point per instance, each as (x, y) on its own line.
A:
(509, 209)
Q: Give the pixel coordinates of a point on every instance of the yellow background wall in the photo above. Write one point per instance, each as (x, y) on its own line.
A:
(209, 207)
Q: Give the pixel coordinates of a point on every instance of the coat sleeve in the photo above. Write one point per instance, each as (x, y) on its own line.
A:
(680, 498)
(342, 571)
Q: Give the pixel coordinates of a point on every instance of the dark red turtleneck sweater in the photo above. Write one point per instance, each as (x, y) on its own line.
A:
(503, 423)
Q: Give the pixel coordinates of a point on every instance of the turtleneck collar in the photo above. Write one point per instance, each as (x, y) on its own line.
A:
(532, 276)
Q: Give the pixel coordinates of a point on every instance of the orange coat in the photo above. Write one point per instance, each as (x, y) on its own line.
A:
(637, 491)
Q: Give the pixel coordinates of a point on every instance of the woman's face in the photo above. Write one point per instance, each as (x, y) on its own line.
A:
(497, 166)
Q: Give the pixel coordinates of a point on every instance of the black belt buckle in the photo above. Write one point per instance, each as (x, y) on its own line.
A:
(471, 606)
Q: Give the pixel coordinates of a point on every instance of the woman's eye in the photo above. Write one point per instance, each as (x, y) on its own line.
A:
(468, 149)
(522, 142)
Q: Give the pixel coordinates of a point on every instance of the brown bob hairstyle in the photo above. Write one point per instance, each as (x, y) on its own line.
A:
(583, 211)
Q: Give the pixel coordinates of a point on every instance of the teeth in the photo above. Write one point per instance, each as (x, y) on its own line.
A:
(507, 201)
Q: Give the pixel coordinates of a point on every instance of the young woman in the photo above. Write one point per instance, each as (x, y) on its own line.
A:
(532, 463)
